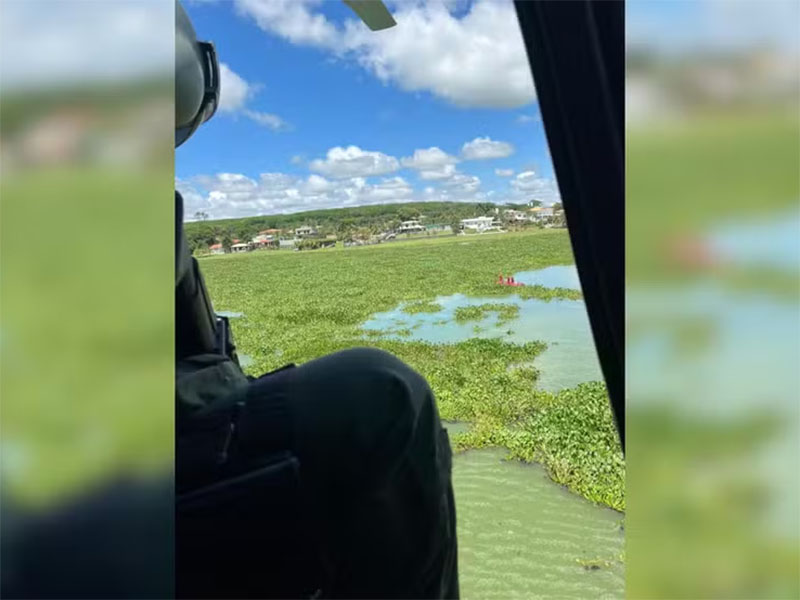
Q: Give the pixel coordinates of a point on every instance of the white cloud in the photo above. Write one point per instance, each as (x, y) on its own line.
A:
(461, 188)
(227, 187)
(235, 92)
(473, 58)
(429, 158)
(193, 200)
(524, 119)
(269, 120)
(393, 189)
(532, 187)
(485, 148)
(292, 20)
(477, 59)
(435, 173)
(432, 163)
(276, 181)
(354, 162)
(317, 184)
(346, 176)
(504, 172)
(226, 182)
(463, 183)
(229, 195)
(524, 181)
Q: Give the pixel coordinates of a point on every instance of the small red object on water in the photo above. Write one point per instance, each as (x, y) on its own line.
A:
(508, 281)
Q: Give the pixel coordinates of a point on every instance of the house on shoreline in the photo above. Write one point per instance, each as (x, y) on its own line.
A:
(480, 224)
(410, 227)
(516, 216)
(264, 240)
(304, 231)
(541, 214)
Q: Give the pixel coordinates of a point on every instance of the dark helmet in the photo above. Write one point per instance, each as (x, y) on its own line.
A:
(196, 78)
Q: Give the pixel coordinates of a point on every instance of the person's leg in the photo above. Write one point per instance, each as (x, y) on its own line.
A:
(375, 464)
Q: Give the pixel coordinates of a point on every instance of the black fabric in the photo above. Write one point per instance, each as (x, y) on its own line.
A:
(376, 466)
(338, 479)
(247, 537)
(115, 541)
(576, 52)
(195, 321)
(181, 247)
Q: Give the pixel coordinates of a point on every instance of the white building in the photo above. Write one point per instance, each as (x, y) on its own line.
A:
(542, 213)
(515, 215)
(264, 241)
(410, 227)
(480, 224)
(240, 247)
(304, 231)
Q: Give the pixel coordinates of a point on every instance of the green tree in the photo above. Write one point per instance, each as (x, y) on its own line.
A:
(227, 242)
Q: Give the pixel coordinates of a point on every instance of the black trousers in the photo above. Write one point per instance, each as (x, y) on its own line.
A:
(364, 506)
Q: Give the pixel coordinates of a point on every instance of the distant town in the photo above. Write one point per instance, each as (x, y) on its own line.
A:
(363, 226)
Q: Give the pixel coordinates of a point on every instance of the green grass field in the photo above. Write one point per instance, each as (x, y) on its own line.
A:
(302, 305)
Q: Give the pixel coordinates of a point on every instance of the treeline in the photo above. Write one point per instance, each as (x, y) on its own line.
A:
(346, 223)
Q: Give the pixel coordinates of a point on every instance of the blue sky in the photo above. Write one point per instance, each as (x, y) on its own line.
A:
(681, 26)
(318, 112)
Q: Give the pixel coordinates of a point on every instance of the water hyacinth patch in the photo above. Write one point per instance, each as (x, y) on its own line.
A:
(505, 312)
(298, 306)
(422, 307)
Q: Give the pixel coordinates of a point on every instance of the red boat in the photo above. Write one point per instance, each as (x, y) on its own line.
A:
(508, 281)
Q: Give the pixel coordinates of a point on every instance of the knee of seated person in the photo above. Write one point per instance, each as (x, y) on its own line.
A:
(363, 357)
(365, 403)
(384, 382)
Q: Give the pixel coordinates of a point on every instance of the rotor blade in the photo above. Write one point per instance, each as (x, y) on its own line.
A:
(373, 12)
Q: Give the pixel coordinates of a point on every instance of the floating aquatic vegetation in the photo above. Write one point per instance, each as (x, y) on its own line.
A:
(505, 312)
(422, 306)
(308, 304)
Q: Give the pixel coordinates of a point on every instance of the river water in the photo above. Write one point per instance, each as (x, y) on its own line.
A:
(520, 534)
(570, 357)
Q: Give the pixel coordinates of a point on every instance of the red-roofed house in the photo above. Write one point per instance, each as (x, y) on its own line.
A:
(263, 240)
